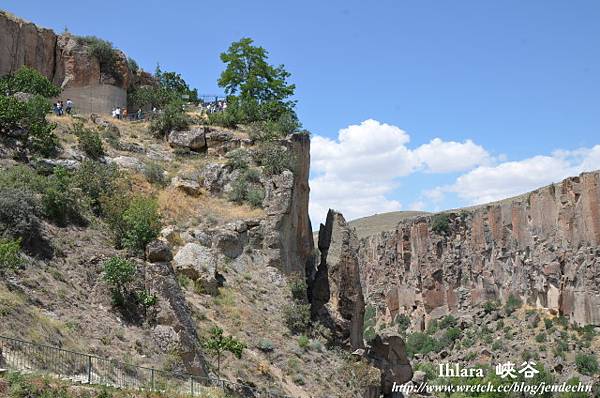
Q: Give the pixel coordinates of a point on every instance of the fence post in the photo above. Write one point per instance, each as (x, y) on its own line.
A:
(89, 369)
(152, 378)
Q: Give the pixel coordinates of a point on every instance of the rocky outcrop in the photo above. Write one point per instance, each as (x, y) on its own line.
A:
(193, 139)
(335, 291)
(65, 61)
(287, 230)
(388, 354)
(543, 247)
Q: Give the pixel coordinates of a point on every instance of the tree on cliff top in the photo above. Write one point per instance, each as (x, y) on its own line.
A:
(256, 90)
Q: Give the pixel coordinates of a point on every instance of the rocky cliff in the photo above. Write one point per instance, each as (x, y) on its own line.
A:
(542, 247)
(65, 61)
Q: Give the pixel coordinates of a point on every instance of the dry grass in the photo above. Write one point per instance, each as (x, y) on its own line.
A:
(178, 207)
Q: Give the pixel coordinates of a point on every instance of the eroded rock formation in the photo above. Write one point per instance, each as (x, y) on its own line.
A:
(542, 247)
(65, 61)
(335, 291)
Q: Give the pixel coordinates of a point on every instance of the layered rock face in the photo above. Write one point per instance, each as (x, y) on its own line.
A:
(65, 62)
(543, 247)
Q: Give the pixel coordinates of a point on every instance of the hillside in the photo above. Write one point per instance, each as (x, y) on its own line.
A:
(377, 223)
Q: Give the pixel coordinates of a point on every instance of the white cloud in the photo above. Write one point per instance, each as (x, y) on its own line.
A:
(489, 183)
(356, 172)
(442, 157)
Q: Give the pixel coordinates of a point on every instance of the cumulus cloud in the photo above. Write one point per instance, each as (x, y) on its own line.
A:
(357, 171)
(489, 183)
(443, 157)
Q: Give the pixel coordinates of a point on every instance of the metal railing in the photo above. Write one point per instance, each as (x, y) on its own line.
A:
(28, 357)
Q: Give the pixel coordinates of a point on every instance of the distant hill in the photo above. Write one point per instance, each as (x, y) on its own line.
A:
(377, 223)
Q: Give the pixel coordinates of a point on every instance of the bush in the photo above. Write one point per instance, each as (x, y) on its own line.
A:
(62, 202)
(255, 197)
(19, 212)
(586, 364)
(420, 343)
(540, 338)
(118, 273)
(28, 80)
(298, 288)
(303, 341)
(239, 190)
(132, 65)
(171, 118)
(142, 223)
(548, 323)
(29, 117)
(96, 180)
(447, 321)
(403, 322)
(265, 345)
(512, 304)
(10, 254)
(104, 53)
(238, 159)
(440, 223)
(297, 317)
(155, 174)
(274, 159)
(270, 130)
(90, 143)
(490, 306)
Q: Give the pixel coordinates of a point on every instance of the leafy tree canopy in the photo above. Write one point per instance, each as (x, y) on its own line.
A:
(28, 80)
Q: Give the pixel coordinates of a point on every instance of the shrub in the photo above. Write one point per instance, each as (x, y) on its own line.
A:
(298, 288)
(239, 190)
(447, 321)
(132, 65)
(238, 159)
(420, 343)
(297, 317)
(440, 223)
(96, 180)
(490, 306)
(265, 345)
(104, 53)
(303, 341)
(62, 202)
(89, 142)
(19, 211)
(255, 197)
(274, 159)
(146, 299)
(512, 304)
(540, 338)
(270, 130)
(28, 80)
(403, 322)
(142, 223)
(118, 273)
(548, 323)
(586, 364)
(10, 254)
(171, 118)
(155, 174)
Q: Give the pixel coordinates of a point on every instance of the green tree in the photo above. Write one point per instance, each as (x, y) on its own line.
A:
(173, 82)
(217, 343)
(10, 254)
(256, 90)
(28, 80)
(142, 223)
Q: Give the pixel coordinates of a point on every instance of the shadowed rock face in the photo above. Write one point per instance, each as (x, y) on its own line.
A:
(335, 291)
(543, 247)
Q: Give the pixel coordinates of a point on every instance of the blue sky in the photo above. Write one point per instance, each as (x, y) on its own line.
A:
(520, 79)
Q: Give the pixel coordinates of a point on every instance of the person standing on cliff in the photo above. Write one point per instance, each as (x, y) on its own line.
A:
(69, 106)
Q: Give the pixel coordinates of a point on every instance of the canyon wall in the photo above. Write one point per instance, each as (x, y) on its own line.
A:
(543, 247)
(65, 61)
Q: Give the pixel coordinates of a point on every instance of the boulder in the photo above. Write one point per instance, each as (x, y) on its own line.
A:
(158, 251)
(199, 264)
(190, 187)
(213, 176)
(194, 139)
(228, 242)
(105, 124)
(388, 354)
(128, 162)
(419, 377)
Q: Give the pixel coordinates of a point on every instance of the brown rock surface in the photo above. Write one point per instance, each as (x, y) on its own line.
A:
(543, 247)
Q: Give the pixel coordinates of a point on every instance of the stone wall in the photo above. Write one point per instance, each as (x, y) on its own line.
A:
(543, 247)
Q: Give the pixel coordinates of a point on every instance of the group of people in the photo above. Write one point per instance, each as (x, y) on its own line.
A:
(214, 106)
(61, 108)
(123, 113)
